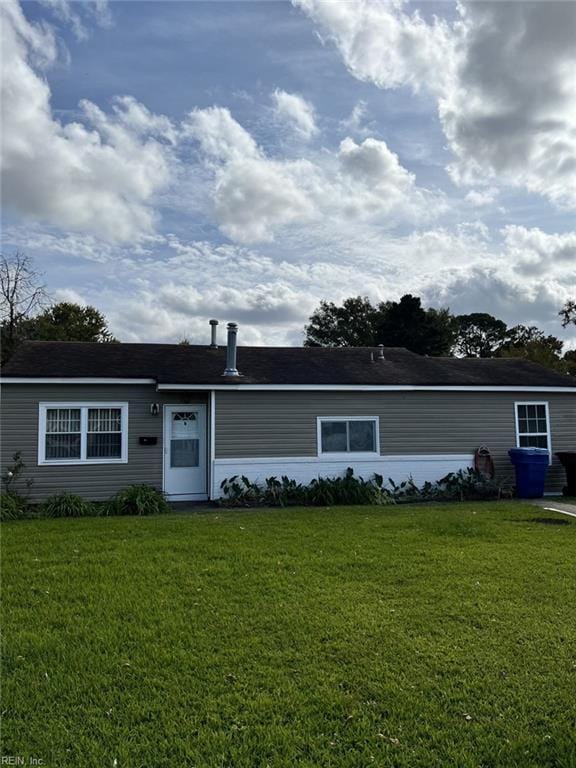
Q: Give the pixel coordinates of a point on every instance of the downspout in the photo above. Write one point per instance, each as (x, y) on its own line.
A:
(212, 444)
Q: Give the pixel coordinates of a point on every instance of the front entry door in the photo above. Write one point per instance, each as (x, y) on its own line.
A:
(185, 452)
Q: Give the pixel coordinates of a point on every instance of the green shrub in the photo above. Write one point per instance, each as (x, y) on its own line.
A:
(407, 491)
(67, 504)
(12, 506)
(326, 491)
(322, 491)
(240, 492)
(284, 492)
(138, 500)
(468, 484)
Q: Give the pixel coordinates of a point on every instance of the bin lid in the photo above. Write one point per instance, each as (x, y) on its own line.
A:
(530, 451)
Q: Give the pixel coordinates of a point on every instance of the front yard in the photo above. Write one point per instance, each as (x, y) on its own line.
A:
(396, 636)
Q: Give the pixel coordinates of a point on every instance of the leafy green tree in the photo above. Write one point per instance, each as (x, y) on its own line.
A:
(530, 343)
(545, 351)
(569, 361)
(521, 336)
(69, 322)
(479, 335)
(351, 325)
(404, 323)
(407, 324)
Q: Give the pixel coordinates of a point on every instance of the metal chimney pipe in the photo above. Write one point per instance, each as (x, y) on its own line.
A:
(214, 329)
(231, 369)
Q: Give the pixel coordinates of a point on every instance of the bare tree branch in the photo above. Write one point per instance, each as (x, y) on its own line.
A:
(21, 292)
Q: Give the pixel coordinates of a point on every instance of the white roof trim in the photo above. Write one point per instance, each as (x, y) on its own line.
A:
(286, 387)
(359, 388)
(79, 380)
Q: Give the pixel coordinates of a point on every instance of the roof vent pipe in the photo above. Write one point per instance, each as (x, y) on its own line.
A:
(231, 369)
(214, 330)
(381, 352)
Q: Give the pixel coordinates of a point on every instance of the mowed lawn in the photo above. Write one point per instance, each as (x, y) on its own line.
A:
(396, 636)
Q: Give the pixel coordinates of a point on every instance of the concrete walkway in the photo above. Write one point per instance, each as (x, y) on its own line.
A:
(556, 506)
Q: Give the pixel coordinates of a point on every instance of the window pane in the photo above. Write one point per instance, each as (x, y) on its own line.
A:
(62, 420)
(533, 441)
(334, 437)
(104, 420)
(184, 425)
(62, 446)
(184, 453)
(362, 437)
(532, 419)
(104, 446)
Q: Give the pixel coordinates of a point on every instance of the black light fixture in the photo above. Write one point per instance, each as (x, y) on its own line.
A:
(154, 409)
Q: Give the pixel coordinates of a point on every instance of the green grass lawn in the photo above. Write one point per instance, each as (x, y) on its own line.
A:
(398, 636)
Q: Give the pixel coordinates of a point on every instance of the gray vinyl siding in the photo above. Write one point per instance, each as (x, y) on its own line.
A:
(93, 481)
(275, 424)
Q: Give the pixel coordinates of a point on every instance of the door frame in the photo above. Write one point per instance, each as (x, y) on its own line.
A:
(200, 496)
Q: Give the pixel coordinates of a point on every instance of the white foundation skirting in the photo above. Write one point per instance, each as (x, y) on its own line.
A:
(304, 469)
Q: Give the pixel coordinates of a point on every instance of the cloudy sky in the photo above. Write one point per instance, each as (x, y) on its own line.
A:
(169, 162)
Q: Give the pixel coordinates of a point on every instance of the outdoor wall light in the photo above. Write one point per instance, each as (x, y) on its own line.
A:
(154, 409)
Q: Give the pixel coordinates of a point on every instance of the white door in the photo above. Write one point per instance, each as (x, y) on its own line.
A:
(185, 452)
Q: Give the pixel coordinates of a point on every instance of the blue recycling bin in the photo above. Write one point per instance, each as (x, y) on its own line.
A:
(531, 466)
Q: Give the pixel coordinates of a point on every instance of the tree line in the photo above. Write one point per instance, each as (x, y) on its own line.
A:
(435, 332)
(27, 312)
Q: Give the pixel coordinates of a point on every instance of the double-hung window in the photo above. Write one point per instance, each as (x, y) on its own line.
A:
(83, 433)
(532, 425)
(348, 435)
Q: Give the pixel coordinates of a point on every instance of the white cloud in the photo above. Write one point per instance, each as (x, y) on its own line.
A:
(489, 288)
(534, 252)
(255, 195)
(525, 280)
(326, 220)
(69, 296)
(219, 135)
(509, 114)
(254, 198)
(171, 287)
(295, 111)
(482, 197)
(503, 75)
(100, 178)
(356, 121)
(372, 164)
(380, 43)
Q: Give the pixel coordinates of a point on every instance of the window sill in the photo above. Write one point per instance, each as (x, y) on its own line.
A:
(349, 456)
(79, 462)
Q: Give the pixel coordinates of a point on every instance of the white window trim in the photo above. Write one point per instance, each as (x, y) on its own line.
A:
(43, 407)
(347, 455)
(548, 432)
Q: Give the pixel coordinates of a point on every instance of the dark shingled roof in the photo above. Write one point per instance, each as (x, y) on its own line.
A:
(183, 364)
